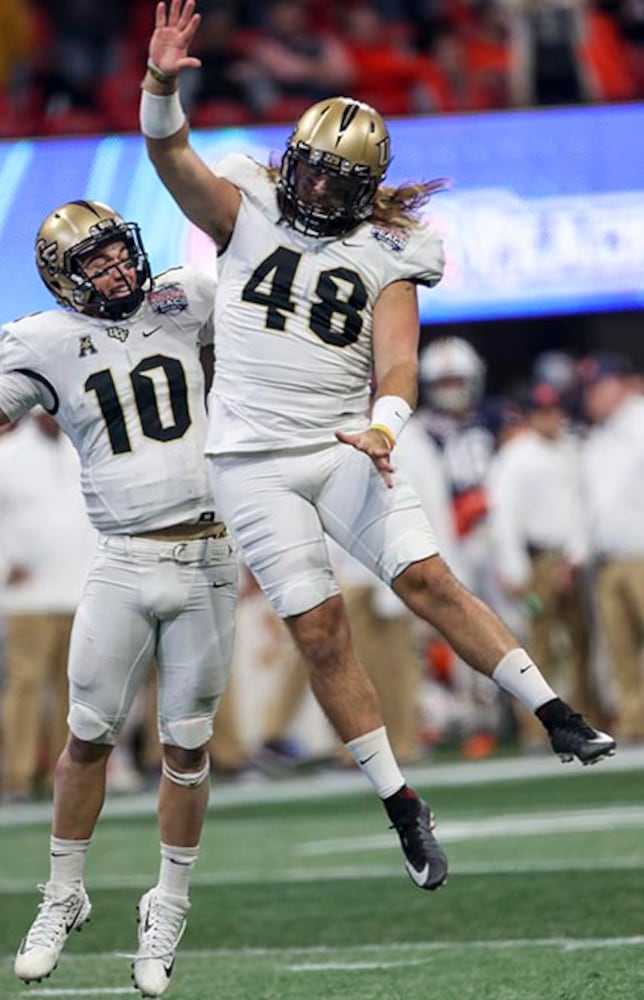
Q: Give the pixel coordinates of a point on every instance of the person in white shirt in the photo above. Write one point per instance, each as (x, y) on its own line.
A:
(318, 268)
(613, 479)
(46, 546)
(123, 368)
(539, 543)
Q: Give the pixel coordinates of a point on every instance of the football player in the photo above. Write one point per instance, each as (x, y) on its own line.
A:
(318, 267)
(121, 368)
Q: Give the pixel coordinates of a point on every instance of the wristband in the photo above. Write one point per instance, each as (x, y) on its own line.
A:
(389, 415)
(160, 115)
(158, 74)
(387, 433)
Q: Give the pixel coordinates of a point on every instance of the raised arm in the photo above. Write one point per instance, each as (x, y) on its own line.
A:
(210, 202)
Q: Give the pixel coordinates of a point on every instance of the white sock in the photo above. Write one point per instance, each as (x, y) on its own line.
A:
(176, 869)
(373, 755)
(67, 860)
(518, 675)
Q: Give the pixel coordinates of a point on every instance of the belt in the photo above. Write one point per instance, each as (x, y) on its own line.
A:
(186, 532)
(534, 551)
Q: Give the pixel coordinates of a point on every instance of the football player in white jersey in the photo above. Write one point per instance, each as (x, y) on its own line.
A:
(121, 370)
(318, 267)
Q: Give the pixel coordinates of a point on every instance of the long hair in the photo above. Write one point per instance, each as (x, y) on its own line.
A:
(400, 206)
(394, 206)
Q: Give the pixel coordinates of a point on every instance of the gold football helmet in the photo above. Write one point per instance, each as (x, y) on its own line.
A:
(336, 157)
(67, 236)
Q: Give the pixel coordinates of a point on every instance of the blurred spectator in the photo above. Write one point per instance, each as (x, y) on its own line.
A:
(73, 66)
(395, 81)
(548, 65)
(46, 544)
(452, 412)
(540, 558)
(613, 466)
(227, 82)
(85, 43)
(16, 45)
(296, 62)
(630, 18)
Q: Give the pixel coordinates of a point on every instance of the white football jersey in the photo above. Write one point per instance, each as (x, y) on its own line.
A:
(129, 393)
(293, 320)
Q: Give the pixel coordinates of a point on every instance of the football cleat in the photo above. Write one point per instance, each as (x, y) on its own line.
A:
(162, 921)
(63, 909)
(574, 737)
(425, 860)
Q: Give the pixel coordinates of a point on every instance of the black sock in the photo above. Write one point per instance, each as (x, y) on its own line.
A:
(400, 804)
(553, 713)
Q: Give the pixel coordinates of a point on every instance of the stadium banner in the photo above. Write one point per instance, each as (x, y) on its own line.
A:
(544, 214)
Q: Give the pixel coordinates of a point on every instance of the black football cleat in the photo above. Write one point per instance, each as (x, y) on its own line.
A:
(425, 860)
(573, 737)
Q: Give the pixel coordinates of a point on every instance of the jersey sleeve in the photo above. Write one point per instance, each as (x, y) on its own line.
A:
(423, 260)
(21, 385)
(252, 179)
(199, 288)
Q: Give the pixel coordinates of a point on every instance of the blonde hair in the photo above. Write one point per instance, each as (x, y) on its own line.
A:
(394, 206)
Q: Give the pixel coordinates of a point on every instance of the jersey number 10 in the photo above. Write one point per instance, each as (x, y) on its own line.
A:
(147, 403)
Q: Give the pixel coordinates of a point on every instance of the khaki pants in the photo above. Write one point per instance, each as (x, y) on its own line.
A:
(563, 612)
(387, 649)
(36, 650)
(620, 598)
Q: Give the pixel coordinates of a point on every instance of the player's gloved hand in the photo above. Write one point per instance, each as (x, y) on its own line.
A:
(174, 30)
(374, 444)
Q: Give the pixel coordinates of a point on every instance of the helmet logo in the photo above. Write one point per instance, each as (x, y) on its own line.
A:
(384, 151)
(47, 254)
(348, 115)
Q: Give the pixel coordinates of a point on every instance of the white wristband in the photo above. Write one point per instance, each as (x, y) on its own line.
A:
(392, 413)
(160, 115)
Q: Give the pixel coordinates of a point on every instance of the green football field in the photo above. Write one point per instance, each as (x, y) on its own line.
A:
(308, 898)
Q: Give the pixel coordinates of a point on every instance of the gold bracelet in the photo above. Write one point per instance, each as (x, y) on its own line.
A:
(158, 74)
(386, 432)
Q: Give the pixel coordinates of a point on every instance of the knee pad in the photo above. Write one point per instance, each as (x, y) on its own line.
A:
(86, 724)
(187, 779)
(187, 733)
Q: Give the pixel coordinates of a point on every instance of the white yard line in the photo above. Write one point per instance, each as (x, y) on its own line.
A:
(380, 948)
(345, 873)
(510, 825)
(52, 991)
(331, 784)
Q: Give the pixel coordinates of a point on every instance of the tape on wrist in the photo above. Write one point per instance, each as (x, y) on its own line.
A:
(389, 415)
(160, 115)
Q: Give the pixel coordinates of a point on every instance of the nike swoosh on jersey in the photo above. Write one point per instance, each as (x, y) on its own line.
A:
(419, 877)
(148, 333)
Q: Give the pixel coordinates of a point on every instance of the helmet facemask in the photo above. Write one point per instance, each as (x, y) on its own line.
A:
(341, 203)
(94, 302)
(72, 233)
(336, 157)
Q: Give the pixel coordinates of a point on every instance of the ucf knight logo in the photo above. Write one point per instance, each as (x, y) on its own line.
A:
(118, 333)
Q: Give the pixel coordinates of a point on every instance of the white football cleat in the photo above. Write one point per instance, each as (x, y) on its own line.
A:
(162, 921)
(63, 909)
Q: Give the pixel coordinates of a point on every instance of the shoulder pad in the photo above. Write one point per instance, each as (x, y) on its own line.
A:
(252, 179)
